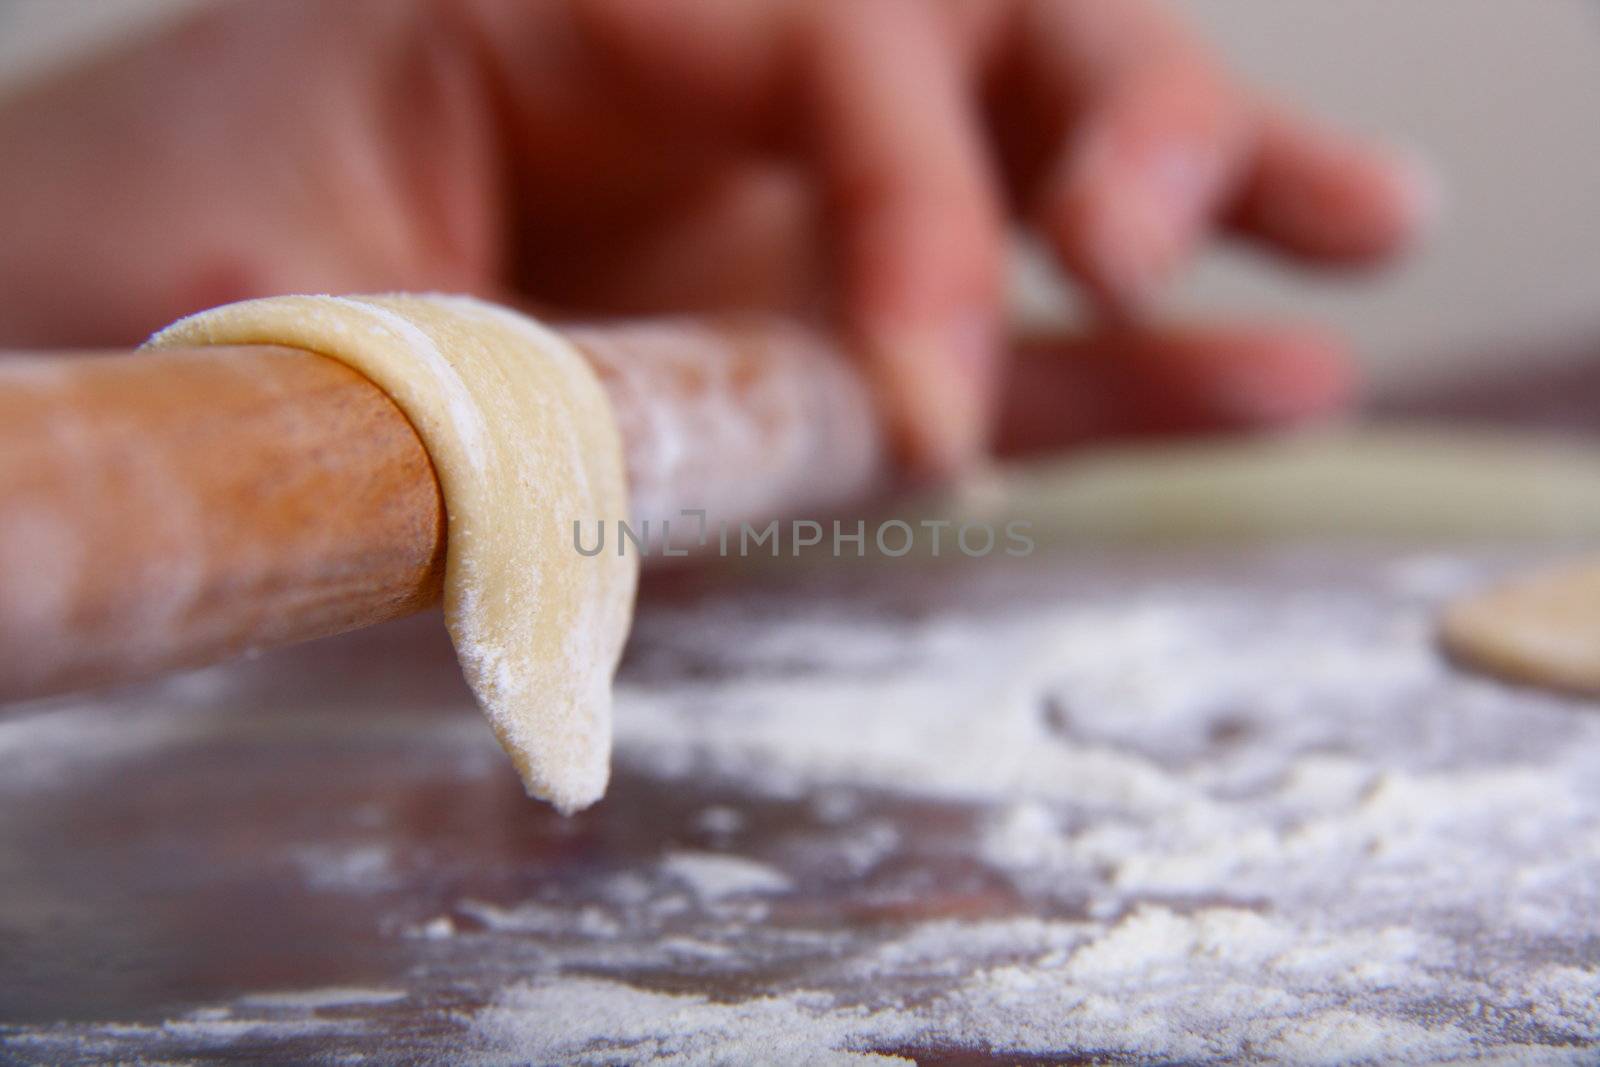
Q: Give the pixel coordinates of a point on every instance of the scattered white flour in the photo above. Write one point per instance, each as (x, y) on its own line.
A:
(353, 869)
(719, 821)
(331, 997)
(207, 1030)
(435, 929)
(45, 744)
(713, 876)
(1294, 834)
(534, 918)
(559, 1022)
(1219, 986)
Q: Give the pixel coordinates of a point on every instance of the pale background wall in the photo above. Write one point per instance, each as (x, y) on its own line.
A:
(1502, 97)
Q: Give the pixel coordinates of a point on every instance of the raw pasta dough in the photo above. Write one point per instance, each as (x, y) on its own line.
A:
(1542, 629)
(522, 438)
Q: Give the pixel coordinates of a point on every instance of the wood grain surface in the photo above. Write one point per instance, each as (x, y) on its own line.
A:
(178, 507)
(170, 508)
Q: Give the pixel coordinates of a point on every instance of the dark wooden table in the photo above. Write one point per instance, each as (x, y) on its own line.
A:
(321, 856)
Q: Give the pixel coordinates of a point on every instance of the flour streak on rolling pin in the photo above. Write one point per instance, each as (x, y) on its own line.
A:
(172, 508)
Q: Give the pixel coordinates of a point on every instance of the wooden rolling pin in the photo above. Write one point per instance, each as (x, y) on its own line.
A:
(171, 508)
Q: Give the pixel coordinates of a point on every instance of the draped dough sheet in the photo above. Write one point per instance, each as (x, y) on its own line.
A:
(522, 438)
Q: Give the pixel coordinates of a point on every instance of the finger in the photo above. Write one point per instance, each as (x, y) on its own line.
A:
(1121, 133)
(915, 218)
(1140, 184)
(1328, 198)
(1130, 383)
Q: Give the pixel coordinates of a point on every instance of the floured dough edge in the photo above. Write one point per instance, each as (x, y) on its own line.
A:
(524, 443)
(1540, 629)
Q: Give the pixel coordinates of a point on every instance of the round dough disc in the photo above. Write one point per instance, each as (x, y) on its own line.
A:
(1542, 629)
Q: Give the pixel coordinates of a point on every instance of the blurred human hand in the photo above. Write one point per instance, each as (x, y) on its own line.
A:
(859, 160)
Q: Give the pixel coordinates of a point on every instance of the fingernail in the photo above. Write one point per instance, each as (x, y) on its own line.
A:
(1138, 206)
(1183, 178)
(940, 391)
(973, 341)
(1313, 386)
(1133, 244)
